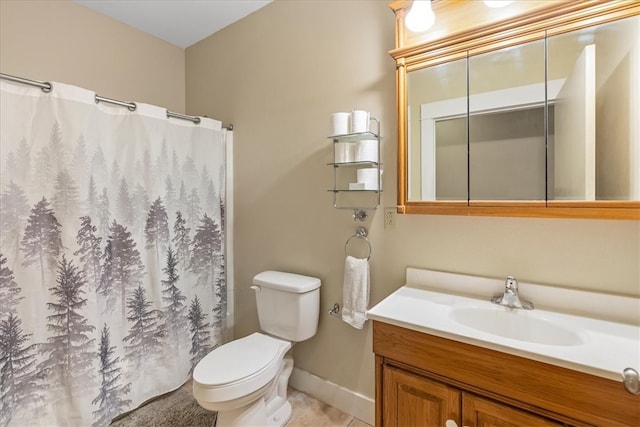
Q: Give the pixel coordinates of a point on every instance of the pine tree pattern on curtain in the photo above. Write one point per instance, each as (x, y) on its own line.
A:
(112, 269)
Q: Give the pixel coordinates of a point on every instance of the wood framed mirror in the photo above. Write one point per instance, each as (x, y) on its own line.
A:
(529, 110)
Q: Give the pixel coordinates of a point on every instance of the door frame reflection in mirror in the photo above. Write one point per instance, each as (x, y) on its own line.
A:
(456, 35)
(529, 96)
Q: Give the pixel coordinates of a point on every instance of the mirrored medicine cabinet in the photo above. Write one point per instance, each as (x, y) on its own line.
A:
(529, 110)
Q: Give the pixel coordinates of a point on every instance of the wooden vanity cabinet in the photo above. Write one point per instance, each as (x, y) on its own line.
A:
(412, 400)
(477, 411)
(424, 380)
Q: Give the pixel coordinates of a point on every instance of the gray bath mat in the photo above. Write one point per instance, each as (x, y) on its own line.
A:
(177, 408)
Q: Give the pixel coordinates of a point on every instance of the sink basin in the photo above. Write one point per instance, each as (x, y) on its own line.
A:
(457, 307)
(515, 324)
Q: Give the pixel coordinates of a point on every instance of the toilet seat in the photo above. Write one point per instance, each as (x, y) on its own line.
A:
(239, 367)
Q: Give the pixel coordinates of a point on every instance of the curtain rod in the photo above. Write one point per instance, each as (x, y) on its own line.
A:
(131, 106)
(45, 86)
(194, 119)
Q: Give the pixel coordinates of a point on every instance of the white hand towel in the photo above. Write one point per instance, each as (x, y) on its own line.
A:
(355, 291)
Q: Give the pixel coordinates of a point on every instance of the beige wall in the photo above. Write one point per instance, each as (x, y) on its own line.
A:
(277, 75)
(56, 40)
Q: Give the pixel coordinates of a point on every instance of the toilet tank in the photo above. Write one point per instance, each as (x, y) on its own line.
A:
(288, 304)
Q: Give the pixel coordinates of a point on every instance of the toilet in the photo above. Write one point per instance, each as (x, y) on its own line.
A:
(246, 380)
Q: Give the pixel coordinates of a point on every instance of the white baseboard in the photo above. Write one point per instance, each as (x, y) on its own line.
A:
(350, 402)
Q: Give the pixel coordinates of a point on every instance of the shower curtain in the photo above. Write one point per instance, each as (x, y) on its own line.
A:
(112, 266)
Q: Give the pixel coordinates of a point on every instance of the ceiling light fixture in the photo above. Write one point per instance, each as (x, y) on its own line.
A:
(420, 17)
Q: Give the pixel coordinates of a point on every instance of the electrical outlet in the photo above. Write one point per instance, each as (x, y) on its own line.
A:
(389, 217)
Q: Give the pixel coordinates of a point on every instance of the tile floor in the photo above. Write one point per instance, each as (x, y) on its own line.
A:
(309, 412)
(179, 408)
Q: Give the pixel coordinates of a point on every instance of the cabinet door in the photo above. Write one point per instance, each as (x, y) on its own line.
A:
(479, 412)
(413, 401)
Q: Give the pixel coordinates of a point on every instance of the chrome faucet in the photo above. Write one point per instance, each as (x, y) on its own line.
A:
(510, 298)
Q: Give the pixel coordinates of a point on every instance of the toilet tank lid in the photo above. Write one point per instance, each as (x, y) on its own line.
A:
(288, 282)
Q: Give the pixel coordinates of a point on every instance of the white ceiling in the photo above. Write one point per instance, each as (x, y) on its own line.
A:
(179, 22)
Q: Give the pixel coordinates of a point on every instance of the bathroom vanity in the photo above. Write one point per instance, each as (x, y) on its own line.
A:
(447, 357)
(425, 380)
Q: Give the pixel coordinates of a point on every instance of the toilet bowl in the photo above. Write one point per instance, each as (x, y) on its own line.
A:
(253, 367)
(246, 380)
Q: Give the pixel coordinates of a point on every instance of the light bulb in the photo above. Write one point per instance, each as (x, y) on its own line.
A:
(497, 3)
(420, 17)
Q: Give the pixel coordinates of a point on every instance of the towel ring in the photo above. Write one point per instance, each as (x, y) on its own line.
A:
(361, 233)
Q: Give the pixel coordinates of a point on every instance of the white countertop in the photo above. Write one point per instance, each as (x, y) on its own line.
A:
(603, 348)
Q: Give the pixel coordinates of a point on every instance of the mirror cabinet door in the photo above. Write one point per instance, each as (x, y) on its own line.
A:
(437, 132)
(595, 153)
(507, 124)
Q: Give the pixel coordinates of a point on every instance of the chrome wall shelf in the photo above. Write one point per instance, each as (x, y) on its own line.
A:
(359, 211)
